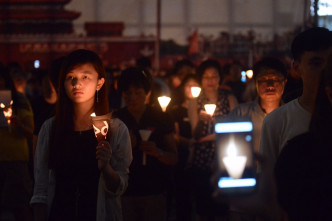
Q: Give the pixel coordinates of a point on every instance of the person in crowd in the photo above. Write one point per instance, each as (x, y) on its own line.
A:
(44, 107)
(304, 168)
(153, 153)
(184, 141)
(270, 79)
(310, 50)
(232, 80)
(158, 86)
(181, 69)
(77, 177)
(202, 124)
(20, 80)
(15, 180)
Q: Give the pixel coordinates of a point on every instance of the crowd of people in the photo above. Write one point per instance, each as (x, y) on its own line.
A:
(155, 164)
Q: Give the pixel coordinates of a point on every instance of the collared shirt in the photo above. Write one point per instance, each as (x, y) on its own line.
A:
(252, 112)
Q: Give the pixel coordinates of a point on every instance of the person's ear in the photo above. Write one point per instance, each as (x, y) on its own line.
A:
(295, 65)
(100, 83)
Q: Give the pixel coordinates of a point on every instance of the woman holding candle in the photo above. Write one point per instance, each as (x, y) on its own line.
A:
(152, 158)
(77, 178)
(15, 180)
(184, 141)
(202, 124)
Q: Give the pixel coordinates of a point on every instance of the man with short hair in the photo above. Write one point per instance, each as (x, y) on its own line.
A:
(310, 50)
(270, 79)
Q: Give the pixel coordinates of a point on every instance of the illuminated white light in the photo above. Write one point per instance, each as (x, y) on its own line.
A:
(249, 74)
(234, 164)
(164, 101)
(36, 64)
(228, 182)
(195, 91)
(101, 125)
(210, 108)
(233, 127)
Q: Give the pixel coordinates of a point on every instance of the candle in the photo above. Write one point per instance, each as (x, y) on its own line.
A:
(195, 91)
(210, 108)
(101, 125)
(7, 111)
(164, 101)
(234, 163)
(145, 134)
(249, 74)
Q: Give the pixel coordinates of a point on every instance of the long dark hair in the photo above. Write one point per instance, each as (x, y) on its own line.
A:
(63, 124)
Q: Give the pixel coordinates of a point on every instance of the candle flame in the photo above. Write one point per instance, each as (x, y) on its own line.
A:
(249, 73)
(2, 105)
(195, 91)
(210, 108)
(164, 101)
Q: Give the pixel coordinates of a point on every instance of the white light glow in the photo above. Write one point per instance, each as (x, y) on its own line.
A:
(234, 164)
(233, 127)
(249, 74)
(228, 182)
(210, 108)
(195, 91)
(164, 101)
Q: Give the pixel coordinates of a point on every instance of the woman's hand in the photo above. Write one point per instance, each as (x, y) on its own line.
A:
(103, 154)
(150, 148)
(204, 116)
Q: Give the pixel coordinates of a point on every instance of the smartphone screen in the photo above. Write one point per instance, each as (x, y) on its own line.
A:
(234, 143)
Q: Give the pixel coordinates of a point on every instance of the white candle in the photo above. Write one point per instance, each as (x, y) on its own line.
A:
(145, 134)
(195, 91)
(210, 108)
(164, 101)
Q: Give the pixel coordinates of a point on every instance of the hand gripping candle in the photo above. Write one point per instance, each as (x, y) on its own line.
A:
(145, 134)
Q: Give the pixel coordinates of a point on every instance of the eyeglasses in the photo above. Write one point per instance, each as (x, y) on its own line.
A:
(274, 82)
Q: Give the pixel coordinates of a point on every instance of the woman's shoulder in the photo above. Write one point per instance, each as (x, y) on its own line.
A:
(117, 124)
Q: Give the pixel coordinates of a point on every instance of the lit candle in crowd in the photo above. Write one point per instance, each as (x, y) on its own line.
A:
(164, 101)
(249, 74)
(210, 108)
(195, 91)
(145, 134)
(101, 125)
(7, 111)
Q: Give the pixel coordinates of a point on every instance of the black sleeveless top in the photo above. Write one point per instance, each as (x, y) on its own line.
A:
(77, 180)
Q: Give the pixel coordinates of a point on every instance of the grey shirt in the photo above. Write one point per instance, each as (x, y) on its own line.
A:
(253, 112)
